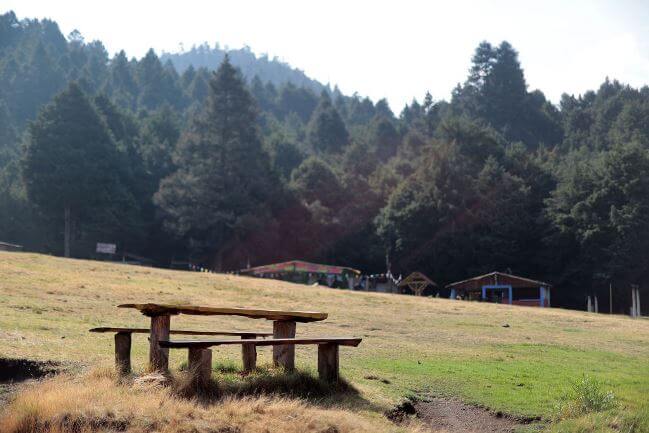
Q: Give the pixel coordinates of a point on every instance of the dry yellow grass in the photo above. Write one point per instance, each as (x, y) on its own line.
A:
(95, 403)
(415, 344)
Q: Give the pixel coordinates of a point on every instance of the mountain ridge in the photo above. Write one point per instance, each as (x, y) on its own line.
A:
(267, 69)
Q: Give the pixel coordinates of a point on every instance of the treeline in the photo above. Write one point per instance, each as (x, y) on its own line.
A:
(224, 171)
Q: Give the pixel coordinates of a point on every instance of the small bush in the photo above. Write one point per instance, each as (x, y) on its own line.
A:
(585, 396)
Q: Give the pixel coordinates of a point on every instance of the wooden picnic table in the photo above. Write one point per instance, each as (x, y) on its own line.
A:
(284, 324)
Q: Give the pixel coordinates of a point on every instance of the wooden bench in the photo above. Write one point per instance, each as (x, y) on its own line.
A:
(200, 356)
(284, 324)
(123, 344)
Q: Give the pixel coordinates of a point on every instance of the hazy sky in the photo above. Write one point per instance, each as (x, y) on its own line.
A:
(396, 49)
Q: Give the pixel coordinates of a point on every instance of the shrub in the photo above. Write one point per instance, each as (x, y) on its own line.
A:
(585, 396)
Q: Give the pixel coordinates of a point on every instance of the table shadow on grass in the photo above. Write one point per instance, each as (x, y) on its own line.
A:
(229, 382)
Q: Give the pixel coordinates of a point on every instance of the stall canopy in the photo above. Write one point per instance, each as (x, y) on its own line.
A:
(300, 266)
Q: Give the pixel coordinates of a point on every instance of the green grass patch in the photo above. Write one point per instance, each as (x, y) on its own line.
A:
(524, 380)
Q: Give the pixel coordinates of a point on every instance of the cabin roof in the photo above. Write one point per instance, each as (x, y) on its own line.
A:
(495, 278)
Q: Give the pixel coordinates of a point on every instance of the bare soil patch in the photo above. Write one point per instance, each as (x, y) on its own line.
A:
(453, 416)
(19, 370)
(15, 371)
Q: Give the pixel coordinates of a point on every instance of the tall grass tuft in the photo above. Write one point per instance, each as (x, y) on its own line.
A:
(586, 395)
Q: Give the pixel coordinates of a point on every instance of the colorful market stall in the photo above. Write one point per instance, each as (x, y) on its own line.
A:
(299, 271)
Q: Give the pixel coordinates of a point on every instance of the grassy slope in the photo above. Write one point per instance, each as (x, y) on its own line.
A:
(448, 347)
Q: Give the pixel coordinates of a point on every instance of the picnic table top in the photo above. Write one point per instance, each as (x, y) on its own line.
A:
(182, 332)
(253, 313)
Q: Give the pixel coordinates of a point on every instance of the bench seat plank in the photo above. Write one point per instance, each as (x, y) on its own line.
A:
(186, 344)
(181, 332)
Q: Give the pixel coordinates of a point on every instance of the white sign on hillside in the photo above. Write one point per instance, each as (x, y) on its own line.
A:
(106, 248)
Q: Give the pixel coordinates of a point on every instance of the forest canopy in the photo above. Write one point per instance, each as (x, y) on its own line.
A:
(227, 159)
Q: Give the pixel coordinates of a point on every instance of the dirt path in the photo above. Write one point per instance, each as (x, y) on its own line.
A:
(453, 416)
(456, 417)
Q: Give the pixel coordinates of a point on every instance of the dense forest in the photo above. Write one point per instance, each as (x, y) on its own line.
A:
(197, 157)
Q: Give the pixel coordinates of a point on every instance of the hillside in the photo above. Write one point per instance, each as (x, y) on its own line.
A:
(497, 178)
(410, 345)
(250, 64)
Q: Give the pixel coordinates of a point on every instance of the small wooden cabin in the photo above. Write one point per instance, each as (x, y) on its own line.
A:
(503, 288)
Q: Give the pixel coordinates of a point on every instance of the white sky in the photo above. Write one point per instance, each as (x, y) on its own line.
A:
(396, 49)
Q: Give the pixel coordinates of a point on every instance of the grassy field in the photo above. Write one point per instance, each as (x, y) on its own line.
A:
(410, 345)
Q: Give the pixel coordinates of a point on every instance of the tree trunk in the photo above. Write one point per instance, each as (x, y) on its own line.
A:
(66, 232)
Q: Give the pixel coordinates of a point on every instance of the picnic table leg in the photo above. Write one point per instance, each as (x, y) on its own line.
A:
(284, 355)
(159, 356)
(200, 365)
(123, 353)
(249, 353)
(328, 361)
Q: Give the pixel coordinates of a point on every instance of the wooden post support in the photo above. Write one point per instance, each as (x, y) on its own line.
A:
(158, 356)
(249, 353)
(200, 365)
(284, 355)
(123, 353)
(328, 362)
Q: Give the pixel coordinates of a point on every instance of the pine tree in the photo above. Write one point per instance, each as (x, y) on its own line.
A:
(37, 81)
(326, 129)
(384, 137)
(158, 83)
(8, 136)
(121, 84)
(223, 184)
(285, 155)
(71, 164)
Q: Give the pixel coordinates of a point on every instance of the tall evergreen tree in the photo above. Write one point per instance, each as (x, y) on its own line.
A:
(8, 136)
(121, 83)
(223, 184)
(71, 163)
(384, 137)
(326, 129)
(496, 91)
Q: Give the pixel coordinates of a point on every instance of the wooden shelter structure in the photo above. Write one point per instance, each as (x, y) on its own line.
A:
(417, 283)
(503, 288)
(299, 271)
